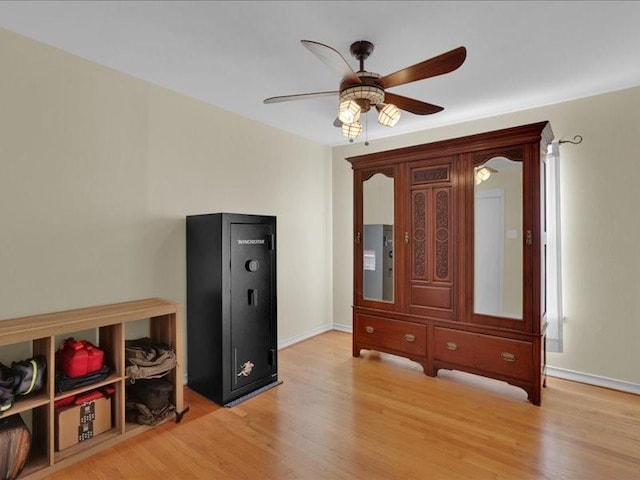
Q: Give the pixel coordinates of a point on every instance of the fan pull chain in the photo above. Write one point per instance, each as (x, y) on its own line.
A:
(366, 130)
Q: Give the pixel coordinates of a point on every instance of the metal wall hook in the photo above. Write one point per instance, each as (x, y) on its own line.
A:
(576, 140)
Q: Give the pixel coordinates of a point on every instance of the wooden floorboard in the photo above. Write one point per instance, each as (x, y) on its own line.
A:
(379, 417)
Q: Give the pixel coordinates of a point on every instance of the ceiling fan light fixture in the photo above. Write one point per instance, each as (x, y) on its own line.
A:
(349, 111)
(388, 115)
(483, 173)
(351, 130)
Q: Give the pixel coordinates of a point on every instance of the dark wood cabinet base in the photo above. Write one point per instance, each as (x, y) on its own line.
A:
(511, 360)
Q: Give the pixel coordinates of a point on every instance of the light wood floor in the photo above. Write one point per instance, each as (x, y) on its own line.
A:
(380, 417)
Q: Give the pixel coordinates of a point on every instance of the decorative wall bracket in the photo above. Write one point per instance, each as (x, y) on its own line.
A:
(576, 140)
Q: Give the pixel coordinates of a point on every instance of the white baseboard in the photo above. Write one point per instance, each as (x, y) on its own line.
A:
(343, 328)
(595, 380)
(287, 342)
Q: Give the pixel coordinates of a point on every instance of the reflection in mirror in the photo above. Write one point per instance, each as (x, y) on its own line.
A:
(377, 261)
(498, 242)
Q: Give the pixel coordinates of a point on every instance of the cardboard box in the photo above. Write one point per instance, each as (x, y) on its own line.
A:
(78, 423)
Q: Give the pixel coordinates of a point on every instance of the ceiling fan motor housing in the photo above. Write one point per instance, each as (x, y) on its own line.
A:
(366, 94)
(361, 50)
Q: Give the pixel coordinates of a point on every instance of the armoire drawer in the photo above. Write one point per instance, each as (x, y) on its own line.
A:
(513, 358)
(390, 334)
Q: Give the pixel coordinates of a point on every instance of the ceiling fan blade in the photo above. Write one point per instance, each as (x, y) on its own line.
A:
(411, 105)
(301, 96)
(445, 63)
(332, 58)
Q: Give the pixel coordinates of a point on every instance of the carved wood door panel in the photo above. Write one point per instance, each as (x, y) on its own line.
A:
(431, 240)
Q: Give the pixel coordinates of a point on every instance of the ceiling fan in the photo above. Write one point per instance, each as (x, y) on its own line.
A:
(362, 90)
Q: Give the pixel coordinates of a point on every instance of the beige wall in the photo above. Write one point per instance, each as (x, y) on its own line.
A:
(99, 169)
(600, 225)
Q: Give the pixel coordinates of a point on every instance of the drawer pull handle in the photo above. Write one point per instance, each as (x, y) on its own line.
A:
(369, 329)
(409, 337)
(508, 357)
(453, 346)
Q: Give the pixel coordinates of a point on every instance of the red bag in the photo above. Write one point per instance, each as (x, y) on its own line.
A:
(79, 357)
(85, 397)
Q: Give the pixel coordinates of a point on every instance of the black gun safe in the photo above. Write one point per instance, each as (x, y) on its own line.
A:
(231, 304)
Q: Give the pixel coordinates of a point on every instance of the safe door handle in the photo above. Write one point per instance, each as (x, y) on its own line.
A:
(253, 297)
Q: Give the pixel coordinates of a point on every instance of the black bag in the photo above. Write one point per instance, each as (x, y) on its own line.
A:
(139, 413)
(64, 383)
(154, 393)
(29, 374)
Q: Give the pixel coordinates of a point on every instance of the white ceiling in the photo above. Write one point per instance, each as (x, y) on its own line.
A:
(235, 54)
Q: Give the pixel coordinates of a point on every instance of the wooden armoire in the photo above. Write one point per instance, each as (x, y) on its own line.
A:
(463, 264)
